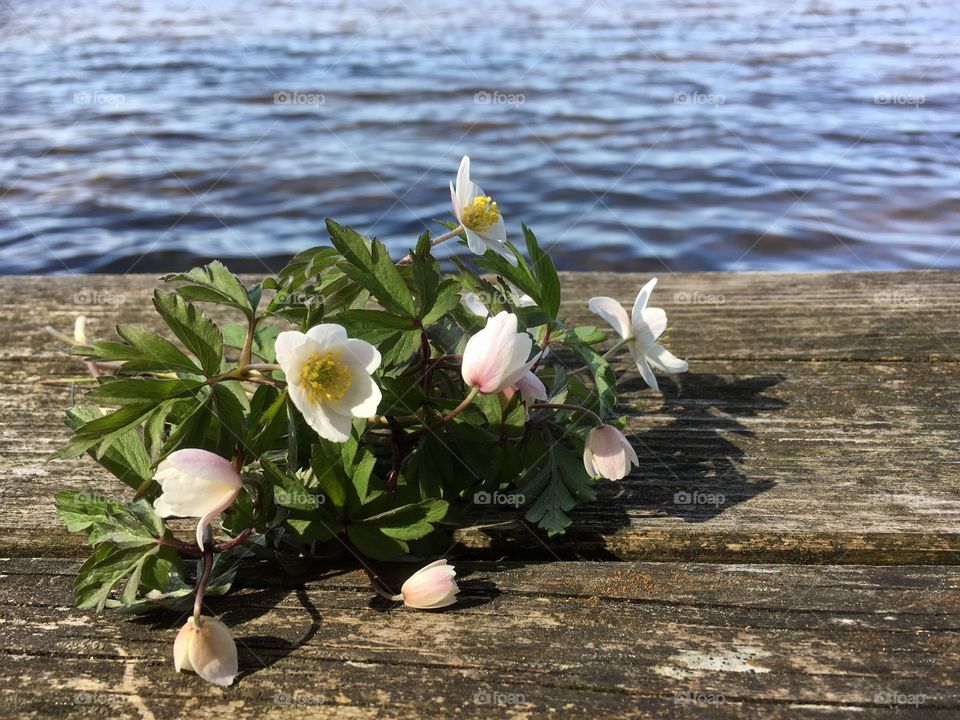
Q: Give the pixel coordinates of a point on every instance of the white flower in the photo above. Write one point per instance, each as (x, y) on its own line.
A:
(328, 378)
(431, 587)
(196, 483)
(497, 356)
(206, 646)
(607, 453)
(641, 330)
(80, 330)
(475, 306)
(479, 216)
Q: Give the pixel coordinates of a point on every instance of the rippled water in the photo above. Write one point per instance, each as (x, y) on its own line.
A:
(143, 135)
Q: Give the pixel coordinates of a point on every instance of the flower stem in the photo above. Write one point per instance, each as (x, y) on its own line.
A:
(433, 243)
(616, 346)
(463, 405)
(566, 406)
(204, 575)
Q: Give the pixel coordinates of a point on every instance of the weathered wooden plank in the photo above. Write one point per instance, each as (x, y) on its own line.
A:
(572, 639)
(844, 459)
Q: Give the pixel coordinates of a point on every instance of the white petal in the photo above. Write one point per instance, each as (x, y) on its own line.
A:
(327, 334)
(496, 233)
(663, 359)
(212, 514)
(185, 497)
(362, 397)
(328, 425)
(645, 372)
(463, 179)
(181, 658)
(653, 321)
(286, 345)
(475, 242)
(613, 312)
(362, 353)
(641, 302)
(473, 305)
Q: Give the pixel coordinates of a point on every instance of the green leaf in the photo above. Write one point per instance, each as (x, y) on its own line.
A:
(447, 298)
(107, 567)
(306, 265)
(108, 521)
(195, 330)
(374, 543)
(264, 339)
(558, 486)
(132, 390)
(545, 274)
(103, 430)
(363, 319)
(126, 457)
(410, 522)
(143, 351)
(213, 283)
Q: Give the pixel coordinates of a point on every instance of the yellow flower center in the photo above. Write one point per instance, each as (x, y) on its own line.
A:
(326, 377)
(480, 214)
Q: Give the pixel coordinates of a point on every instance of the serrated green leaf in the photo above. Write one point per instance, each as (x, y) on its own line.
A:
(193, 328)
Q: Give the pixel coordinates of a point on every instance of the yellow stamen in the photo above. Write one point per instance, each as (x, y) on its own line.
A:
(480, 214)
(326, 377)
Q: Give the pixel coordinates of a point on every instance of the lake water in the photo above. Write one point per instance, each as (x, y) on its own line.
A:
(145, 135)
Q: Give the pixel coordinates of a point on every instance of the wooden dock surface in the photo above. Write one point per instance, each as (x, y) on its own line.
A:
(820, 414)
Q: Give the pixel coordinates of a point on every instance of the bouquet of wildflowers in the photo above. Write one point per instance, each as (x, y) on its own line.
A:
(354, 406)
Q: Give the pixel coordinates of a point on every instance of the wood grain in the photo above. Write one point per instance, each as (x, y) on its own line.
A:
(566, 639)
(821, 408)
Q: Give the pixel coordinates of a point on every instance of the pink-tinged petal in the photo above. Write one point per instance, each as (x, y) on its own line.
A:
(327, 334)
(433, 586)
(225, 501)
(531, 388)
(613, 312)
(645, 372)
(664, 360)
(286, 346)
(514, 376)
(213, 652)
(495, 357)
(641, 302)
(181, 658)
(610, 453)
(195, 484)
(457, 205)
(363, 353)
(588, 461)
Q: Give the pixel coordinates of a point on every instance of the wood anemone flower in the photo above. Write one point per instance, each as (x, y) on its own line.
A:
(479, 216)
(641, 332)
(196, 483)
(608, 454)
(497, 357)
(329, 378)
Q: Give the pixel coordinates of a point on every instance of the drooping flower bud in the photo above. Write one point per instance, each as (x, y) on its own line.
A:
(206, 646)
(431, 587)
(496, 357)
(607, 453)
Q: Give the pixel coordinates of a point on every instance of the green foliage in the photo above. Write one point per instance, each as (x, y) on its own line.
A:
(401, 481)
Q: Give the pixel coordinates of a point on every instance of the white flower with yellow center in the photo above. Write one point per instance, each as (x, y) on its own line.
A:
(479, 216)
(328, 378)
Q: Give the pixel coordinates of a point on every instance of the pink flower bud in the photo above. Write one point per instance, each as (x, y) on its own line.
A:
(430, 587)
(496, 357)
(608, 454)
(206, 646)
